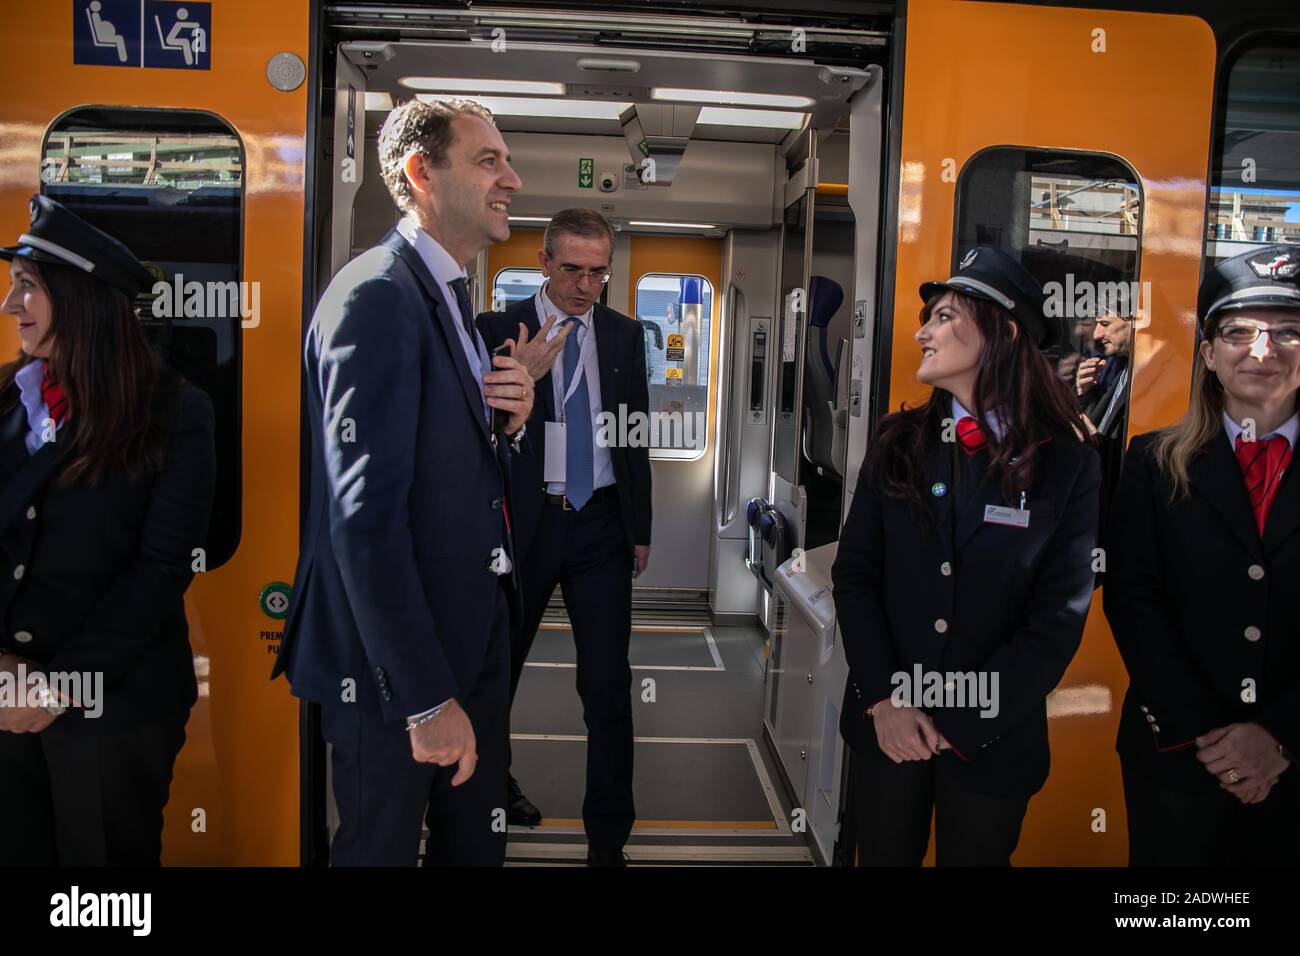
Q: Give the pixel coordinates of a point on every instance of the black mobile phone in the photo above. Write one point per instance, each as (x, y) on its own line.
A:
(499, 417)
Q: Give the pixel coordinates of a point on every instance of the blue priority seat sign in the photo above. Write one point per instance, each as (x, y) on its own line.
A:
(161, 34)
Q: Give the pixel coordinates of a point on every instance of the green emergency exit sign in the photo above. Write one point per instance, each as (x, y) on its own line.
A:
(586, 173)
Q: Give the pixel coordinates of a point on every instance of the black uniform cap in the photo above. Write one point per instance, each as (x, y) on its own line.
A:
(1265, 278)
(57, 235)
(986, 272)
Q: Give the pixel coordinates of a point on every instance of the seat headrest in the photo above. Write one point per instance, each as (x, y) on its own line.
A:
(825, 296)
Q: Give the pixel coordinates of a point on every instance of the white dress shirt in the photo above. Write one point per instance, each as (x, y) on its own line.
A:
(1289, 429)
(28, 379)
(602, 462)
(445, 270)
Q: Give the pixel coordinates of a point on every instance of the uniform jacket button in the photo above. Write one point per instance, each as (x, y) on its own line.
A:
(18, 572)
(1155, 728)
(1150, 719)
(387, 694)
(1143, 708)
(1255, 571)
(941, 625)
(31, 512)
(1253, 633)
(496, 504)
(945, 569)
(23, 637)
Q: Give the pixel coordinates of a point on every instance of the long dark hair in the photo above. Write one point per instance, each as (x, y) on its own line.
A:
(109, 373)
(1015, 381)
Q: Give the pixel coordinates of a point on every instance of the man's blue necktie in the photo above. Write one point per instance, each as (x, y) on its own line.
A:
(579, 470)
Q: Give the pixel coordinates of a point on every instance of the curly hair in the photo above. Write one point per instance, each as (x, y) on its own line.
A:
(417, 126)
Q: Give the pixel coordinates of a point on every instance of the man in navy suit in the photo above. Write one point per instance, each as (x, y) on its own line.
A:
(399, 625)
(581, 501)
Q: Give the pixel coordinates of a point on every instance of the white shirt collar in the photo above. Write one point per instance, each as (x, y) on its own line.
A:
(1289, 429)
(28, 378)
(438, 260)
(549, 307)
(959, 411)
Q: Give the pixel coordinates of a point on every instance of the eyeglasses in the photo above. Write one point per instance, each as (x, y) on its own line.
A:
(1245, 333)
(574, 274)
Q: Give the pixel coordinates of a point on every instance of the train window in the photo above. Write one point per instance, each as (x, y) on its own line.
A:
(1255, 180)
(676, 316)
(1074, 221)
(170, 185)
(512, 285)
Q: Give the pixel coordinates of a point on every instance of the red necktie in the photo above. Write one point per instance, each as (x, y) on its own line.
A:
(969, 434)
(1263, 463)
(55, 400)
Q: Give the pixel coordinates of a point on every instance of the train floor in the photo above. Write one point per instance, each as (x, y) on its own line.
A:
(707, 792)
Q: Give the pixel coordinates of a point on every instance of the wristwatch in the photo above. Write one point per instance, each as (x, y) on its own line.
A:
(518, 436)
(49, 702)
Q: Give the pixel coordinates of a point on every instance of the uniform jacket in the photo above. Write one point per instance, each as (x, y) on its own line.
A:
(970, 596)
(1200, 605)
(393, 591)
(104, 567)
(620, 351)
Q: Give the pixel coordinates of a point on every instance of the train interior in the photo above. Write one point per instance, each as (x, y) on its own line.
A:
(728, 180)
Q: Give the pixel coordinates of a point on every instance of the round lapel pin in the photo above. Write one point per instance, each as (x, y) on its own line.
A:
(938, 489)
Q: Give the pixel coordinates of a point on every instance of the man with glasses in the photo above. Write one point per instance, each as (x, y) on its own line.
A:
(580, 502)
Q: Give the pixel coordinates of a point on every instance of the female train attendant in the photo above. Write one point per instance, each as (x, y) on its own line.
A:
(1203, 589)
(107, 471)
(963, 577)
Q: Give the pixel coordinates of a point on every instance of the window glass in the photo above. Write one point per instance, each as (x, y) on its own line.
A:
(676, 316)
(1074, 221)
(169, 184)
(512, 285)
(1255, 180)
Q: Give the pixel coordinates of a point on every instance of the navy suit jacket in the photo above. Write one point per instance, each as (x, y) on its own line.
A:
(620, 352)
(1185, 581)
(1012, 601)
(393, 590)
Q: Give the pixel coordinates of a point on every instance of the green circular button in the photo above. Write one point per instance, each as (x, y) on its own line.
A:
(275, 600)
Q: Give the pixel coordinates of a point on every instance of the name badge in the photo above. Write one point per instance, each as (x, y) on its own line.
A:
(1011, 517)
(556, 451)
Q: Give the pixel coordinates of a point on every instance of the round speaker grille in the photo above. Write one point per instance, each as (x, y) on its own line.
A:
(286, 71)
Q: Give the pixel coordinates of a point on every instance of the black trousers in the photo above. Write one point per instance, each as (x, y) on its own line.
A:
(72, 799)
(894, 803)
(586, 553)
(384, 796)
(1168, 827)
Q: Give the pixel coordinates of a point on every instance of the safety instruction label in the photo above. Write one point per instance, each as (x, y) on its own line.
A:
(673, 376)
(676, 347)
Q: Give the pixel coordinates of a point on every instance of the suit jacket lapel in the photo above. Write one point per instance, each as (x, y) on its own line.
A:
(970, 518)
(1216, 476)
(936, 469)
(443, 320)
(1284, 513)
(606, 355)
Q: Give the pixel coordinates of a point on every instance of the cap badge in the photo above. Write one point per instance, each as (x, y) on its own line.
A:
(968, 258)
(938, 489)
(1276, 267)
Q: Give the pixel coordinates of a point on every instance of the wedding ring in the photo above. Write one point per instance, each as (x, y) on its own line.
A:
(1233, 775)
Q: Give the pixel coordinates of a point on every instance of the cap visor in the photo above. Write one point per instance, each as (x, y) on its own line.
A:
(28, 252)
(930, 289)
